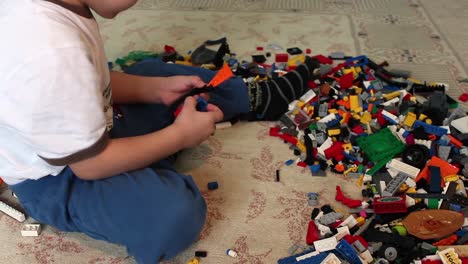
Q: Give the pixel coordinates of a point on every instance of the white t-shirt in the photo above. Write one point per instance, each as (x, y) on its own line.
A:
(55, 95)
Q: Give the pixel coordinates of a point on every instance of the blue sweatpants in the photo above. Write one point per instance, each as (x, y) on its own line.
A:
(155, 212)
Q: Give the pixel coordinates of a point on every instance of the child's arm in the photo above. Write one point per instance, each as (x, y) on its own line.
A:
(127, 88)
(126, 154)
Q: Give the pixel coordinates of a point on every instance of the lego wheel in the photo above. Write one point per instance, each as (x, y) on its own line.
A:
(416, 155)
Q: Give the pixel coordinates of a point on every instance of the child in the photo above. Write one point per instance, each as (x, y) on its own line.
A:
(76, 165)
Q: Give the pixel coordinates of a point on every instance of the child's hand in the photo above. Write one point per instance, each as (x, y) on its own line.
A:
(176, 86)
(195, 127)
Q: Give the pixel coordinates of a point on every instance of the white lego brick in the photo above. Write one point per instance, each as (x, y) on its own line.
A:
(390, 116)
(308, 96)
(392, 172)
(410, 201)
(341, 232)
(367, 84)
(223, 125)
(404, 168)
(449, 256)
(390, 102)
(308, 255)
(423, 142)
(328, 118)
(320, 214)
(327, 144)
(366, 257)
(410, 182)
(12, 212)
(331, 259)
(325, 244)
(461, 124)
(292, 105)
(383, 186)
(349, 222)
(31, 230)
(324, 230)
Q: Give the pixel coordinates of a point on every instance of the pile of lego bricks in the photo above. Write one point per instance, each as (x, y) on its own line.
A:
(405, 142)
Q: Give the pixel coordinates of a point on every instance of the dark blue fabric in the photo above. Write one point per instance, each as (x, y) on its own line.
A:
(231, 96)
(155, 212)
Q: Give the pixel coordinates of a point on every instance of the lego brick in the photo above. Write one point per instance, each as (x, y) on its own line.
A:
(31, 230)
(446, 169)
(331, 259)
(431, 129)
(347, 252)
(12, 212)
(393, 186)
(403, 168)
(449, 256)
(461, 124)
(436, 178)
(388, 205)
(380, 145)
(325, 244)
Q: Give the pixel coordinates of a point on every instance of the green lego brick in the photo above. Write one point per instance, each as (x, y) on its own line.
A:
(433, 203)
(313, 126)
(378, 166)
(381, 145)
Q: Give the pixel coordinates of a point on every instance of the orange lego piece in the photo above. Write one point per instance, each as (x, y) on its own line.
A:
(446, 169)
(455, 141)
(223, 75)
(446, 241)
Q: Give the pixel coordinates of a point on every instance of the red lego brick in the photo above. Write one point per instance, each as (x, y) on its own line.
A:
(345, 200)
(346, 81)
(390, 205)
(274, 131)
(302, 164)
(308, 51)
(313, 233)
(335, 151)
(463, 97)
(281, 57)
(259, 48)
(322, 59)
(169, 49)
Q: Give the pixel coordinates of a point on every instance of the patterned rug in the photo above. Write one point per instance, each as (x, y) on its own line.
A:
(251, 213)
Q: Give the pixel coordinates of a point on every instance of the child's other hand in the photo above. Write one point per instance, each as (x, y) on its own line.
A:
(194, 126)
(176, 86)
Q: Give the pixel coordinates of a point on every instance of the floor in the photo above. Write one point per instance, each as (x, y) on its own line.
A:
(251, 213)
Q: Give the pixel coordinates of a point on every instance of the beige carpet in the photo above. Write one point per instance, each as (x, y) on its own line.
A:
(251, 213)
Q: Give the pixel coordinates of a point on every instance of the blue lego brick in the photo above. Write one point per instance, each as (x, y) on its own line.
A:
(436, 178)
(201, 104)
(346, 251)
(317, 259)
(364, 61)
(289, 162)
(350, 157)
(391, 88)
(431, 129)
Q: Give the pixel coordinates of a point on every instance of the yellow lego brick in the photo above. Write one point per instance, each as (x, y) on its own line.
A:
(352, 69)
(334, 132)
(357, 89)
(356, 116)
(347, 146)
(422, 117)
(451, 178)
(366, 117)
(354, 103)
(332, 111)
(414, 81)
(296, 60)
(193, 261)
(360, 220)
(183, 63)
(409, 119)
(301, 146)
(390, 96)
(300, 104)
